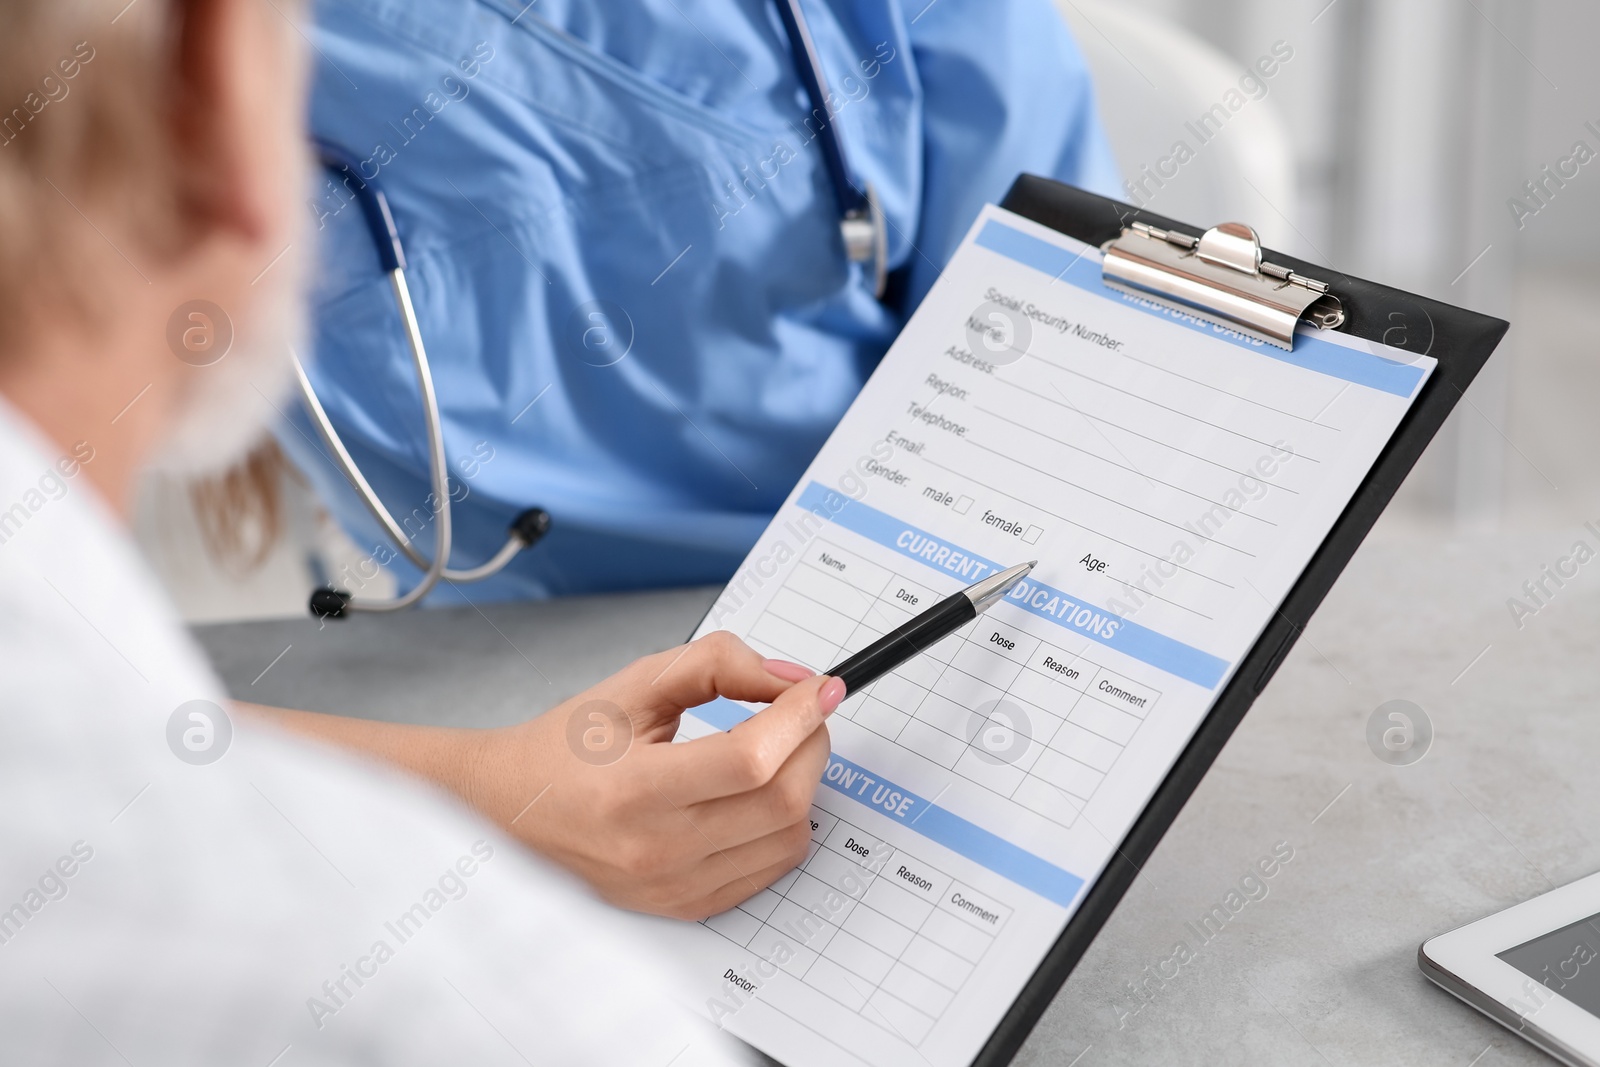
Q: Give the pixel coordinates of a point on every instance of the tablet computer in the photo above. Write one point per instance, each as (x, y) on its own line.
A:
(1191, 492)
(1533, 968)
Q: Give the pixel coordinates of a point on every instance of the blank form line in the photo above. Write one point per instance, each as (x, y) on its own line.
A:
(868, 601)
(1087, 529)
(1153, 440)
(1174, 603)
(839, 647)
(881, 1022)
(868, 611)
(844, 1054)
(1101, 434)
(1229, 392)
(1109, 500)
(1096, 455)
(1065, 717)
(828, 607)
(1163, 407)
(802, 627)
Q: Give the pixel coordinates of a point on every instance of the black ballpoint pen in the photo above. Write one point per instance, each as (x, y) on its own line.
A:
(927, 629)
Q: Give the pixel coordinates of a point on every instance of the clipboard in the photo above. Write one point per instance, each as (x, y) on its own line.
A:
(1461, 340)
(1219, 279)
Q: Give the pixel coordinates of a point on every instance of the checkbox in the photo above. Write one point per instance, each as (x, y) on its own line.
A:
(963, 504)
(1031, 534)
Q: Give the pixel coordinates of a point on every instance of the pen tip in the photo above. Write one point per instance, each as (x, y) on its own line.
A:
(1032, 563)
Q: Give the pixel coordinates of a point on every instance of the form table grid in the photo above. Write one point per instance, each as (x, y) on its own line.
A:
(871, 927)
(1004, 710)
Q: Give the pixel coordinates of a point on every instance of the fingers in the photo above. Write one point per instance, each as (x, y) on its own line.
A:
(725, 878)
(737, 891)
(718, 664)
(785, 800)
(751, 754)
(785, 847)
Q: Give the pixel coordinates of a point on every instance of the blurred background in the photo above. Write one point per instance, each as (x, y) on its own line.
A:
(1398, 141)
(1429, 144)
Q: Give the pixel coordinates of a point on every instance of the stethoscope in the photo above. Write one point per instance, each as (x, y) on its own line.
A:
(861, 225)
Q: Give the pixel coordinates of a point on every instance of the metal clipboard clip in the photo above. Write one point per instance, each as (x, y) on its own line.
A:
(1219, 276)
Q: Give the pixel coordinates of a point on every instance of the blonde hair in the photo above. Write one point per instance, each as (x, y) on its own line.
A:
(242, 511)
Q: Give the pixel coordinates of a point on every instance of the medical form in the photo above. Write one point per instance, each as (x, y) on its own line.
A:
(1172, 477)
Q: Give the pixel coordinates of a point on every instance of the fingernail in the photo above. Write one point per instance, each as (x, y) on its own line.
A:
(789, 672)
(829, 696)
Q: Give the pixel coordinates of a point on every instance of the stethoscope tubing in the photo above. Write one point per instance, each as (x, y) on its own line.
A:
(528, 527)
(438, 472)
(864, 232)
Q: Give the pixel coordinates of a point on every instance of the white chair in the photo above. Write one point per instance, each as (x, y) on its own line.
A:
(1154, 81)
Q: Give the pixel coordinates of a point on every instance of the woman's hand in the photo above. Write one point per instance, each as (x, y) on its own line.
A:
(685, 830)
(596, 784)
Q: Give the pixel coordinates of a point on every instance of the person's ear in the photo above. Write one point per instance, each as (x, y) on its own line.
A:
(236, 93)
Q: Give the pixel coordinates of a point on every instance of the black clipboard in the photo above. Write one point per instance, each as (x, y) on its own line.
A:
(1460, 340)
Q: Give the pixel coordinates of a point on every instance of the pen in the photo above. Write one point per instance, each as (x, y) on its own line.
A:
(932, 626)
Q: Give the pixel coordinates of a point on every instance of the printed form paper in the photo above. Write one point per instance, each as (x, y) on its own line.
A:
(1172, 478)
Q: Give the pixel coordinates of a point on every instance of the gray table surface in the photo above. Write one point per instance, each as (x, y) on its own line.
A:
(1321, 970)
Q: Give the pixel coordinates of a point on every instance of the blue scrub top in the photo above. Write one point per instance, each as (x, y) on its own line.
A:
(625, 253)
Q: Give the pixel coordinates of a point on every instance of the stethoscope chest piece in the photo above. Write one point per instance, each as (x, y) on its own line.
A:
(866, 240)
